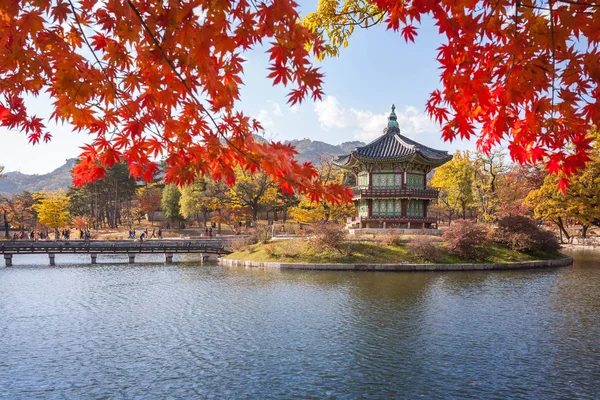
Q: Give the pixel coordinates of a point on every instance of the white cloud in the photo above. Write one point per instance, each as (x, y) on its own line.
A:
(294, 109)
(265, 119)
(276, 108)
(366, 125)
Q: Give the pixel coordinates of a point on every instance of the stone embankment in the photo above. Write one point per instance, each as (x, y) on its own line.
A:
(562, 262)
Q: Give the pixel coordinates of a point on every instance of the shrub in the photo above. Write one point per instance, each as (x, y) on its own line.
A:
(270, 250)
(466, 239)
(291, 248)
(424, 248)
(239, 243)
(391, 240)
(329, 236)
(522, 234)
(259, 234)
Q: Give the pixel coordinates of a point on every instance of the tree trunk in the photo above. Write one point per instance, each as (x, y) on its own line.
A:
(6, 227)
(584, 231)
(562, 229)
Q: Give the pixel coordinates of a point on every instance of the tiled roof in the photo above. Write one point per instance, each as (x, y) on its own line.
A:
(393, 146)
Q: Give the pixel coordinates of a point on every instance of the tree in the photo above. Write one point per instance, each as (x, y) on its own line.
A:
(53, 210)
(206, 196)
(149, 198)
(515, 185)
(249, 190)
(455, 182)
(149, 79)
(170, 202)
(581, 201)
(516, 69)
(105, 201)
(4, 209)
(307, 212)
(488, 173)
(17, 212)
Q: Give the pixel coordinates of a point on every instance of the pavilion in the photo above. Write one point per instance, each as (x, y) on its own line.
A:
(391, 180)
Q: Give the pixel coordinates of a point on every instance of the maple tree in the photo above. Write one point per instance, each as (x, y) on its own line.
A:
(154, 79)
(526, 71)
(514, 187)
(148, 198)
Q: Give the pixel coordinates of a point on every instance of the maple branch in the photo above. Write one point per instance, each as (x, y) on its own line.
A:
(578, 3)
(110, 82)
(185, 84)
(553, 65)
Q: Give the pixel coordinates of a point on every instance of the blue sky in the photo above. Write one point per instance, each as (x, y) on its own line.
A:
(376, 70)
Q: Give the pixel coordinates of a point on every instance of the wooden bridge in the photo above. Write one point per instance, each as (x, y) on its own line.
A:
(95, 247)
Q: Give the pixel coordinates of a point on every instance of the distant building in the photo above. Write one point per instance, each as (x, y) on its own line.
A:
(391, 176)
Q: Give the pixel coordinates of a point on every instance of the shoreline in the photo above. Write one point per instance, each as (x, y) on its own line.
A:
(406, 267)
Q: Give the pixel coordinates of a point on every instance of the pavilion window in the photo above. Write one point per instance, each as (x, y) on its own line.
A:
(414, 181)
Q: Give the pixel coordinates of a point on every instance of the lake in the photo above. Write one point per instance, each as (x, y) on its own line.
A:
(112, 330)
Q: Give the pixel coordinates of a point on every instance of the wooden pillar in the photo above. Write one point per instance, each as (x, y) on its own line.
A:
(51, 258)
(404, 207)
(131, 258)
(93, 258)
(370, 203)
(8, 260)
(168, 258)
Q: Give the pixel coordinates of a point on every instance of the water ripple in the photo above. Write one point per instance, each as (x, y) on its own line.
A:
(191, 331)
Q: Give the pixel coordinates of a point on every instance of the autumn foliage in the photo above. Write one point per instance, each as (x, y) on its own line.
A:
(522, 71)
(467, 239)
(150, 79)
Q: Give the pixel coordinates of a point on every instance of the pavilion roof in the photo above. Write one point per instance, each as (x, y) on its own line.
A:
(392, 146)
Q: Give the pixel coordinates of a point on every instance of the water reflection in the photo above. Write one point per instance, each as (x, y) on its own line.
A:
(191, 331)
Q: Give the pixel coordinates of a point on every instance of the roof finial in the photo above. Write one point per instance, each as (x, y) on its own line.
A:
(392, 119)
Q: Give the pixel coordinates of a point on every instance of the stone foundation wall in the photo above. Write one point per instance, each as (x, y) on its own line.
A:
(392, 231)
(563, 262)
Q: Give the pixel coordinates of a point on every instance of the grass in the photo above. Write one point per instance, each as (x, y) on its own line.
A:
(305, 252)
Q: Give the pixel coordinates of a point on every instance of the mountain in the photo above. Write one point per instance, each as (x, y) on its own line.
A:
(60, 178)
(313, 150)
(16, 182)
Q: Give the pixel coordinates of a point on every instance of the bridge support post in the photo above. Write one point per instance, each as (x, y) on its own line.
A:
(51, 258)
(93, 257)
(8, 260)
(131, 258)
(204, 257)
(168, 258)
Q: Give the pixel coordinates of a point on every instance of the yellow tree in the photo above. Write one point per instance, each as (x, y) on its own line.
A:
(581, 201)
(455, 183)
(52, 209)
(207, 196)
(309, 212)
(250, 189)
